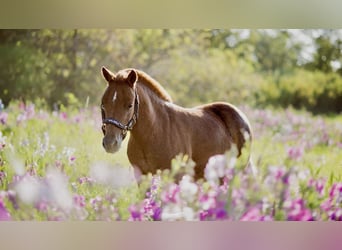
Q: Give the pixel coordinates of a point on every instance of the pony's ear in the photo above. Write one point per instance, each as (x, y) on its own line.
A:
(132, 78)
(107, 74)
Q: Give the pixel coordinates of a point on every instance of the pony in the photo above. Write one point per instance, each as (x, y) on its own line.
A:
(160, 130)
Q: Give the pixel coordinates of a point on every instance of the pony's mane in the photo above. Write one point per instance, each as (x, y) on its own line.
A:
(150, 83)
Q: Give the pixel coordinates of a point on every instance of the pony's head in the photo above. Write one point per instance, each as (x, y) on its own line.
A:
(119, 107)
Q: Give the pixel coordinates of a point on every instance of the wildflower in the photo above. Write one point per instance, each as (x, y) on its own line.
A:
(69, 153)
(172, 212)
(96, 203)
(4, 214)
(215, 168)
(63, 116)
(336, 192)
(136, 214)
(151, 208)
(116, 176)
(3, 117)
(318, 185)
(28, 189)
(188, 189)
(58, 189)
(72, 159)
(28, 113)
(188, 214)
(2, 141)
(253, 214)
(79, 200)
(12, 197)
(296, 211)
(3, 176)
(85, 179)
(295, 153)
(171, 195)
(42, 206)
(336, 215)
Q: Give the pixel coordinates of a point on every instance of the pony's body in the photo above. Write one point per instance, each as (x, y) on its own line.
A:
(164, 130)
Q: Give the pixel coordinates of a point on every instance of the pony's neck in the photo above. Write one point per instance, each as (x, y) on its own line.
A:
(151, 109)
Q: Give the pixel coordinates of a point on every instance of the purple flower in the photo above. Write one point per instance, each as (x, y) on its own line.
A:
(326, 205)
(2, 177)
(151, 209)
(253, 214)
(336, 191)
(171, 195)
(295, 153)
(42, 206)
(296, 211)
(136, 214)
(336, 215)
(63, 116)
(79, 200)
(85, 179)
(4, 214)
(2, 141)
(318, 185)
(72, 159)
(12, 197)
(3, 117)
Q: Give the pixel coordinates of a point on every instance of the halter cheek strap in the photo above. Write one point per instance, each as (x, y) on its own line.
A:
(130, 124)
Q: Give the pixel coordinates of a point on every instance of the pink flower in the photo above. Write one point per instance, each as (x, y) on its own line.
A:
(171, 195)
(4, 214)
(3, 117)
(252, 214)
(63, 116)
(318, 185)
(295, 153)
(336, 191)
(136, 214)
(79, 200)
(296, 211)
(72, 159)
(336, 215)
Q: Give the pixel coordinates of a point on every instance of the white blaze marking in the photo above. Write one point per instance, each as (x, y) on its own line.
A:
(114, 96)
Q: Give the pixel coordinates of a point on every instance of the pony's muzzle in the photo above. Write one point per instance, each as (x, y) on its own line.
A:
(111, 144)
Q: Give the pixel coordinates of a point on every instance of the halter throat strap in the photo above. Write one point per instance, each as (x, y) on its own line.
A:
(130, 124)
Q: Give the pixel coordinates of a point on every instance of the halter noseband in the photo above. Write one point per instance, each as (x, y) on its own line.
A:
(131, 121)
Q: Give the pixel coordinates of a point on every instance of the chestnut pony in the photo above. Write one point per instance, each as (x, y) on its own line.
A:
(159, 130)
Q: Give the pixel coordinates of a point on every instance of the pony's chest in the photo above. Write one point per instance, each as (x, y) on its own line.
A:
(148, 158)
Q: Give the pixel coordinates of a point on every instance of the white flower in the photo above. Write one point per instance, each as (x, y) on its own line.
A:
(188, 214)
(188, 189)
(215, 168)
(114, 176)
(17, 163)
(171, 212)
(28, 189)
(58, 189)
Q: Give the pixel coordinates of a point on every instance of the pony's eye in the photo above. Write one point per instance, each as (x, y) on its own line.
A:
(130, 106)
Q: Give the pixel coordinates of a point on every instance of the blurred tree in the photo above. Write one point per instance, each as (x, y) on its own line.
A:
(328, 53)
(274, 51)
(22, 67)
(196, 66)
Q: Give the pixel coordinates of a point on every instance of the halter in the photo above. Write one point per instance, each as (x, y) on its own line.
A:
(131, 121)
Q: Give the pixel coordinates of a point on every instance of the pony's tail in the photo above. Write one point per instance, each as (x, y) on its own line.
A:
(247, 148)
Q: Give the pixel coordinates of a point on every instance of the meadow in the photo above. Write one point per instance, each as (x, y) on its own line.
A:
(53, 168)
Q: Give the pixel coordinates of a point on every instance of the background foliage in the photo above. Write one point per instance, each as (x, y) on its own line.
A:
(299, 68)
